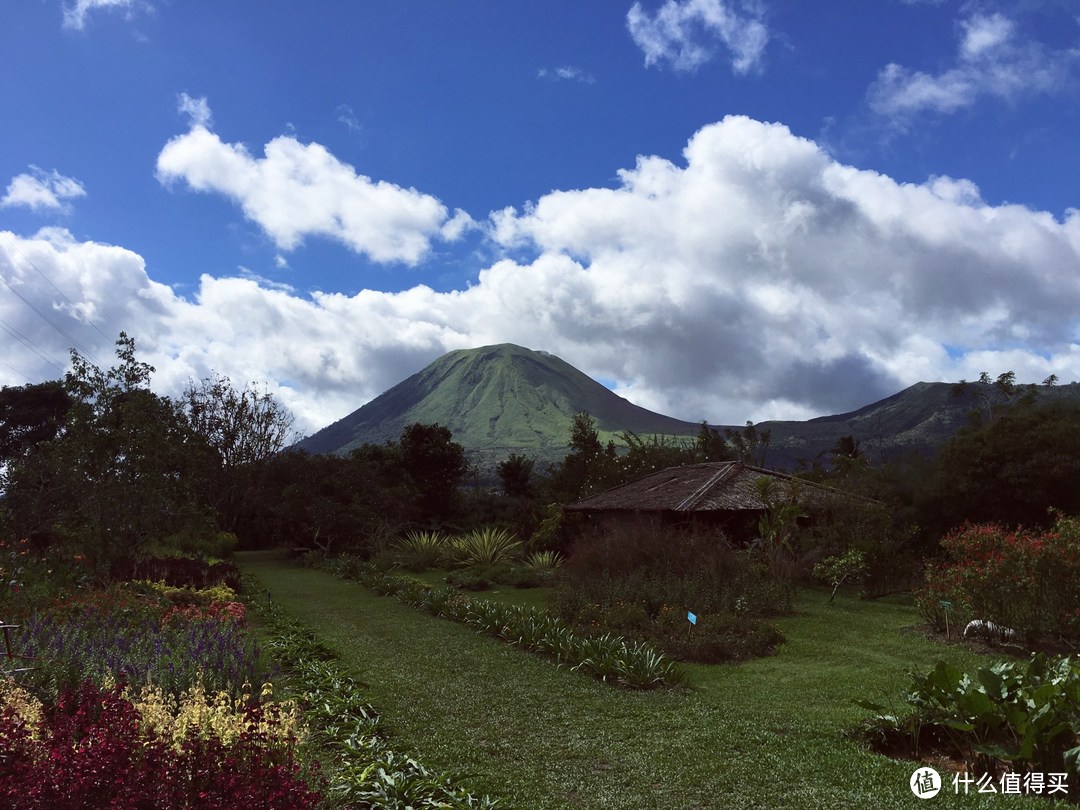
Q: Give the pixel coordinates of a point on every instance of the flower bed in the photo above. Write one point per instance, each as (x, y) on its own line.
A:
(139, 695)
(94, 748)
(115, 634)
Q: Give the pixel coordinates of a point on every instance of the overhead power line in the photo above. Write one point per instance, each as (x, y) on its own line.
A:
(24, 340)
(71, 340)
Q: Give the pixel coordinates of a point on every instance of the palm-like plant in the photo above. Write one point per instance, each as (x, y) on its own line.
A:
(484, 547)
(422, 550)
(543, 560)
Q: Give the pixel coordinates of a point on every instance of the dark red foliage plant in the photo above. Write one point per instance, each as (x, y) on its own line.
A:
(90, 752)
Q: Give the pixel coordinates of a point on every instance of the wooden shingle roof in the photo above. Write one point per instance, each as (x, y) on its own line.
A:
(725, 486)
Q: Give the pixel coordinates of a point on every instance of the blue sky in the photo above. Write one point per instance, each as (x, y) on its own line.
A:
(729, 209)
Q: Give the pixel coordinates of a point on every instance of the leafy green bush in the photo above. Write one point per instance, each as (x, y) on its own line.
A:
(486, 577)
(716, 637)
(1013, 713)
(846, 569)
(180, 572)
(469, 580)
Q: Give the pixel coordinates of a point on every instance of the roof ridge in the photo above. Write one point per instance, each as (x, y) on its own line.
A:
(723, 472)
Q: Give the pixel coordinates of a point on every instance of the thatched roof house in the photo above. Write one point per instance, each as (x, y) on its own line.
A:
(713, 495)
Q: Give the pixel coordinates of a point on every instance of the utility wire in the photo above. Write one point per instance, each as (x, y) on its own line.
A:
(21, 374)
(60, 292)
(15, 333)
(71, 341)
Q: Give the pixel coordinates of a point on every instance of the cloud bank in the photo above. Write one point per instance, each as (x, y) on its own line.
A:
(755, 278)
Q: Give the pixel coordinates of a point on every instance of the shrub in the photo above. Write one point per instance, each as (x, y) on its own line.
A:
(29, 576)
(180, 572)
(518, 577)
(848, 568)
(468, 580)
(1023, 715)
(543, 560)
(641, 584)
(1028, 581)
(715, 638)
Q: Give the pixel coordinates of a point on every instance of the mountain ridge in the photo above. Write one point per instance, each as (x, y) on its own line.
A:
(505, 398)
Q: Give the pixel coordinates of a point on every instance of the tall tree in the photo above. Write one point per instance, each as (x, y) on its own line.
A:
(588, 467)
(243, 427)
(515, 475)
(711, 446)
(120, 474)
(437, 466)
(1011, 470)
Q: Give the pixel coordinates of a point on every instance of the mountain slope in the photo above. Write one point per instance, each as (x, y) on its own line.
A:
(917, 419)
(495, 400)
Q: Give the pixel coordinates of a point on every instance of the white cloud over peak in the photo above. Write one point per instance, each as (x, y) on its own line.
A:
(754, 278)
(298, 190)
(40, 190)
(681, 32)
(992, 60)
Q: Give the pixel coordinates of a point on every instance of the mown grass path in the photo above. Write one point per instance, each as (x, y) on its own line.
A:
(770, 733)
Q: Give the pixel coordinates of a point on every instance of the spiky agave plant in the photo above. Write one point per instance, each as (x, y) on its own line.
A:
(484, 547)
(421, 550)
(543, 560)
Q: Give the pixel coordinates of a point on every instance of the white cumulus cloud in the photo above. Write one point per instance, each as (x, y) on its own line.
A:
(296, 190)
(681, 32)
(40, 190)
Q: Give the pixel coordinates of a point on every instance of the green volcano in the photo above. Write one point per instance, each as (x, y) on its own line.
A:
(496, 400)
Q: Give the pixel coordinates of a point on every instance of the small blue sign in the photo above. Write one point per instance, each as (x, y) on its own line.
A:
(692, 618)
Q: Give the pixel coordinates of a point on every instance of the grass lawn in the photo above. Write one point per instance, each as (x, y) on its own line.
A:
(769, 733)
